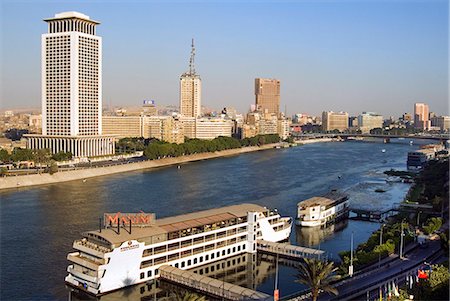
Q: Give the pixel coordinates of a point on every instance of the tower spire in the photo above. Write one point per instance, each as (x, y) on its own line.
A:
(191, 60)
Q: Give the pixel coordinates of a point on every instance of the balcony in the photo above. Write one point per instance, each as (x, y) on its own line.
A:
(81, 275)
(85, 262)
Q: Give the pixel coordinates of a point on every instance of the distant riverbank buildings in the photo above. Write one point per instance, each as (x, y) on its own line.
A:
(72, 89)
(265, 116)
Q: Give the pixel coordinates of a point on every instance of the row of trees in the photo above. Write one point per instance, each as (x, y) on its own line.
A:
(371, 251)
(159, 149)
(42, 156)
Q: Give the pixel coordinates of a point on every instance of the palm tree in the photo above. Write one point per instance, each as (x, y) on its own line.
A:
(184, 295)
(317, 275)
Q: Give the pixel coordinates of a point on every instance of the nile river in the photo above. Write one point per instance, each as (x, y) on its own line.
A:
(38, 225)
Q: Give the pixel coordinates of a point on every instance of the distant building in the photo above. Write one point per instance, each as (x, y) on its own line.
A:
(334, 121)
(190, 90)
(407, 117)
(9, 113)
(443, 122)
(368, 121)
(149, 108)
(267, 93)
(35, 123)
(421, 114)
(164, 128)
(258, 123)
(353, 122)
(72, 88)
(207, 128)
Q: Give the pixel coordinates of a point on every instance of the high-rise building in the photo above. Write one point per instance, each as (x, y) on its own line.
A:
(190, 90)
(421, 120)
(267, 93)
(72, 88)
(334, 121)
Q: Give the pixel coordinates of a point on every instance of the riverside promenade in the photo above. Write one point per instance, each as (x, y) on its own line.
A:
(72, 175)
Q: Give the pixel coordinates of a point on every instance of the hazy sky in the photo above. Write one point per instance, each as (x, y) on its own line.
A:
(353, 56)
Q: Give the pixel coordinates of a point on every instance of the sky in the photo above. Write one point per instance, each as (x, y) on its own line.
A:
(362, 55)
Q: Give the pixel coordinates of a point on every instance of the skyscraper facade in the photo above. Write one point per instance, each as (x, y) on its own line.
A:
(267, 93)
(421, 118)
(190, 90)
(72, 88)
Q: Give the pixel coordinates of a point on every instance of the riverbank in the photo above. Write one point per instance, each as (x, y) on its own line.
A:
(72, 175)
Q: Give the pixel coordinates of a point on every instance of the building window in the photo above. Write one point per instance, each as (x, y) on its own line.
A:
(189, 262)
(149, 274)
(142, 275)
(156, 272)
(183, 264)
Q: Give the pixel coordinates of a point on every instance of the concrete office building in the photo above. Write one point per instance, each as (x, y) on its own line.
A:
(421, 118)
(165, 128)
(267, 93)
(207, 128)
(72, 88)
(442, 122)
(368, 121)
(191, 90)
(334, 121)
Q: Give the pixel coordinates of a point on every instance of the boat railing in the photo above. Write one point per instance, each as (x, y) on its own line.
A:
(85, 243)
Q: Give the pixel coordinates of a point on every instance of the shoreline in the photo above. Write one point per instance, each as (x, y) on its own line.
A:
(13, 182)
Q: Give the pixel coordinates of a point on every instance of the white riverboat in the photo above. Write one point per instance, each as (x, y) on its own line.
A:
(128, 249)
(318, 211)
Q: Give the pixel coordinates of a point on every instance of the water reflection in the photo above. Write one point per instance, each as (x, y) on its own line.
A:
(313, 236)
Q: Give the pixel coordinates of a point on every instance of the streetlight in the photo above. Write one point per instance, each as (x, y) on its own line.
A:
(350, 268)
(381, 242)
(276, 293)
(401, 241)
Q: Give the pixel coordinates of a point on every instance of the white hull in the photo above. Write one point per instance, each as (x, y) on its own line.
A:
(131, 263)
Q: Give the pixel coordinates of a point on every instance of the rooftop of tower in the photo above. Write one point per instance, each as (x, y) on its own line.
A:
(71, 15)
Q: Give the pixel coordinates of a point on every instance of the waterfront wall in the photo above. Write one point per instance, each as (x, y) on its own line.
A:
(64, 176)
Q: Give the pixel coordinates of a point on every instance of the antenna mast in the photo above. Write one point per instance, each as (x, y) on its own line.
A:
(191, 60)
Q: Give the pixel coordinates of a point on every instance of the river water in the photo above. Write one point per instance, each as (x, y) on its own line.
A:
(38, 225)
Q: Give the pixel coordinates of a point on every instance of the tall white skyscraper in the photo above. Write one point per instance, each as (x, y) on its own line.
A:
(190, 90)
(72, 88)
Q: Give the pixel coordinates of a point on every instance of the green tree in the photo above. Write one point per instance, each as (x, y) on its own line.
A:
(62, 156)
(22, 154)
(434, 224)
(53, 167)
(41, 155)
(3, 171)
(183, 295)
(317, 275)
(4, 155)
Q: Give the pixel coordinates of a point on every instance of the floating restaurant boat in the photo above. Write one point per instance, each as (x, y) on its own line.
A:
(318, 211)
(129, 249)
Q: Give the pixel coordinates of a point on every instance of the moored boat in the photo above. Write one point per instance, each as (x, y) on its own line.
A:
(318, 211)
(129, 249)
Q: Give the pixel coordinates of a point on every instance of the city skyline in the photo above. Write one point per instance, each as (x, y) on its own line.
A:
(390, 61)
